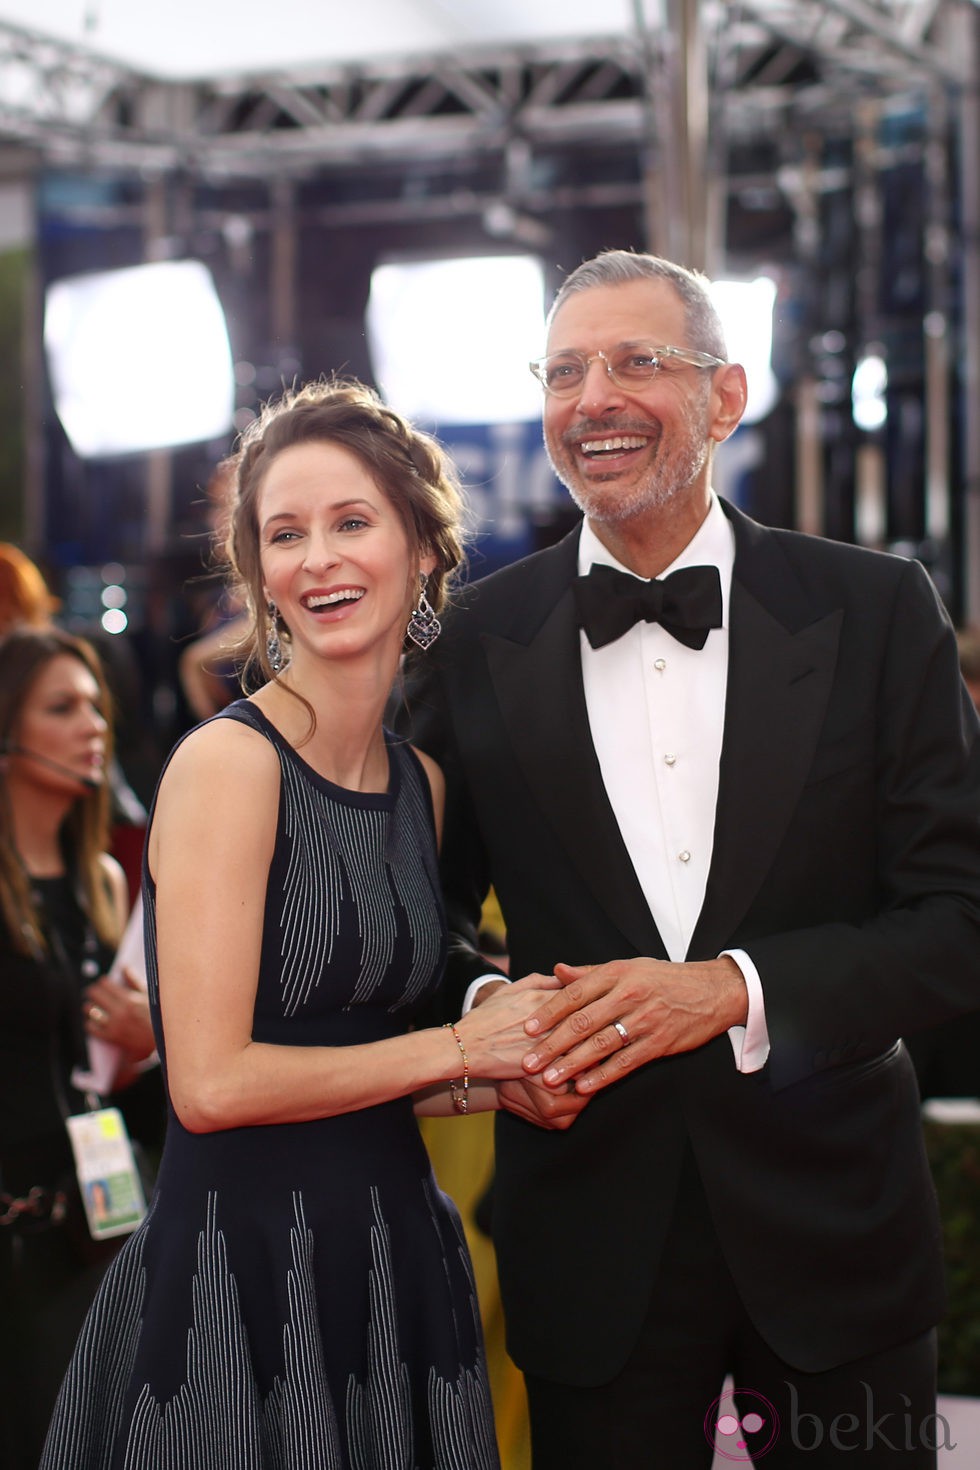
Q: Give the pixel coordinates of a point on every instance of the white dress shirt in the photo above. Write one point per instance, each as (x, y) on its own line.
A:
(656, 713)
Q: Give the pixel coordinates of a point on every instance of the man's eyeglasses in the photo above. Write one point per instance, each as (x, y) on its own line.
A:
(631, 365)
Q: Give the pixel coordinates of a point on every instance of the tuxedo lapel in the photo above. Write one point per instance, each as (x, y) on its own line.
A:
(782, 661)
(551, 741)
(782, 658)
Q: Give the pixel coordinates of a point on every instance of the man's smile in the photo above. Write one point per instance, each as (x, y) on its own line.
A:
(614, 444)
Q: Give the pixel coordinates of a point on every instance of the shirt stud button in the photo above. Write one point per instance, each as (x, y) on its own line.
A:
(670, 760)
(684, 856)
(660, 664)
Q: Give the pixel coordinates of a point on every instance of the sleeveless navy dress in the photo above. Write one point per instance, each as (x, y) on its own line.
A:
(300, 1295)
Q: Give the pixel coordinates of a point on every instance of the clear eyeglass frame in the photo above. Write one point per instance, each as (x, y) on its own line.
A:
(630, 365)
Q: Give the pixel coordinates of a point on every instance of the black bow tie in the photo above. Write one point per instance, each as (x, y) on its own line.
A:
(687, 604)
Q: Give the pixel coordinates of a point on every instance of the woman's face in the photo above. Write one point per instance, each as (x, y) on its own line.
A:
(59, 740)
(336, 559)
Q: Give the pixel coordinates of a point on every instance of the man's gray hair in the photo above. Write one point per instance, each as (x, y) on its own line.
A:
(619, 267)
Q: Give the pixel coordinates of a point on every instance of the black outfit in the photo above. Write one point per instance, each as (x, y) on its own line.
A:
(300, 1295)
(846, 862)
(49, 1267)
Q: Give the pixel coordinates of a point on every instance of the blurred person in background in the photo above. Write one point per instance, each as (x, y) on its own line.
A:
(27, 601)
(24, 594)
(208, 668)
(63, 905)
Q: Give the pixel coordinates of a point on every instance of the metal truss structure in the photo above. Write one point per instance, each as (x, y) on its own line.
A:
(770, 67)
(700, 103)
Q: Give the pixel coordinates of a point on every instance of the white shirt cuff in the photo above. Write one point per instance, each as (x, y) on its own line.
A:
(478, 984)
(750, 1043)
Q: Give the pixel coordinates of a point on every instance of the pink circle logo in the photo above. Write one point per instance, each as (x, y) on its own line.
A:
(741, 1431)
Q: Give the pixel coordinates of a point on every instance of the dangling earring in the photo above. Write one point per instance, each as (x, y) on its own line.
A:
(423, 626)
(273, 647)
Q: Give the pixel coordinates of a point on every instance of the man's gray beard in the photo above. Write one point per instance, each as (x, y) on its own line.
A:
(667, 480)
(609, 509)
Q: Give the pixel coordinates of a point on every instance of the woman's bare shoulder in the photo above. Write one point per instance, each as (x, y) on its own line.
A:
(223, 781)
(222, 748)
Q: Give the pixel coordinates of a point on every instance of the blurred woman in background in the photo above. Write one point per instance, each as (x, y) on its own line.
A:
(63, 904)
(24, 594)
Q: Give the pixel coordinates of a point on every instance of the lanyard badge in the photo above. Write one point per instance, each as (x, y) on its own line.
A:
(108, 1178)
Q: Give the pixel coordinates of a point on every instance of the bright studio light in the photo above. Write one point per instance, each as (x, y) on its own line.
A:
(746, 308)
(139, 359)
(450, 339)
(869, 387)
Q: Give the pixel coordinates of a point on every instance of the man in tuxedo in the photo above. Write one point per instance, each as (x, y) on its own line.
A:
(725, 781)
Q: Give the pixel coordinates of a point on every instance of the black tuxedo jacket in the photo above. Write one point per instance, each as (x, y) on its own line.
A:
(846, 862)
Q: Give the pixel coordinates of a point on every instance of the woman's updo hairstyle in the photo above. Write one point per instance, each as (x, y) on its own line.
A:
(409, 466)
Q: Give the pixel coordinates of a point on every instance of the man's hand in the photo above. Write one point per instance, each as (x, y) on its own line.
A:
(662, 1007)
(545, 1107)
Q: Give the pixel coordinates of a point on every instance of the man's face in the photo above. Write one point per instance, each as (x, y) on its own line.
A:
(619, 452)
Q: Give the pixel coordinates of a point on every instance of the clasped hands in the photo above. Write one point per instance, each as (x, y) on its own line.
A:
(576, 1048)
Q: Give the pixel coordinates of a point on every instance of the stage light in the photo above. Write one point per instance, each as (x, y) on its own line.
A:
(869, 387)
(114, 620)
(139, 358)
(746, 309)
(450, 339)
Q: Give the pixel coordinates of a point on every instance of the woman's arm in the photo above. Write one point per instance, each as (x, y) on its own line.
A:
(204, 689)
(211, 844)
(437, 1101)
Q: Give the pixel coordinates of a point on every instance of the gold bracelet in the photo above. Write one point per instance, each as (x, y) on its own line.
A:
(461, 1100)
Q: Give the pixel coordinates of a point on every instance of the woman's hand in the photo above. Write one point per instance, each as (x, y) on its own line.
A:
(120, 1014)
(543, 1106)
(493, 1031)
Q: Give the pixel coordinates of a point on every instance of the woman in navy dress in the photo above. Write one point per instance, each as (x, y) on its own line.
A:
(300, 1294)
